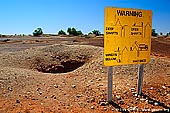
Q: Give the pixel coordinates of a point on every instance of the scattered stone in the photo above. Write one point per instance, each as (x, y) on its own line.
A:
(118, 97)
(28, 92)
(163, 87)
(40, 93)
(151, 88)
(136, 95)
(73, 86)
(79, 95)
(136, 102)
(34, 99)
(92, 107)
(150, 102)
(38, 89)
(99, 79)
(56, 86)
(112, 109)
(116, 72)
(10, 89)
(147, 101)
(52, 96)
(142, 99)
(146, 107)
(17, 101)
(134, 92)
(103, 103)
(104, 109)
(93, 99)
(100, 85)
(132, 89)
(156, 104)
(137, 98)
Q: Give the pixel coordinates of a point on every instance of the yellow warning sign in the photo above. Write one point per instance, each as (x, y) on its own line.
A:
(127, 36)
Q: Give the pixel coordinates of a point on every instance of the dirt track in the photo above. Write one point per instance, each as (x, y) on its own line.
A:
(25, 88)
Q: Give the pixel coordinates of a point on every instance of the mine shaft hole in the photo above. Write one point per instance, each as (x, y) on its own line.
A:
(66, 66)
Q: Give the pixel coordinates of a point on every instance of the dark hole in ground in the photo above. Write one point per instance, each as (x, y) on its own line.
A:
(66, 66)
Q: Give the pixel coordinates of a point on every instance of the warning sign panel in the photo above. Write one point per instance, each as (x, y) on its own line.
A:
(127, 36)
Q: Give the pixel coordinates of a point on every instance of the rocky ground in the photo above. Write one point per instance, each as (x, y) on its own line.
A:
(67, 75)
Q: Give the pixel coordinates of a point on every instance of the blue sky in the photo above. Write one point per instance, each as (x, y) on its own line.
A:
(24, 16)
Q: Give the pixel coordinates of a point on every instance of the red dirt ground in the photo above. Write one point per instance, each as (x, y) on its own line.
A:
(26, 104)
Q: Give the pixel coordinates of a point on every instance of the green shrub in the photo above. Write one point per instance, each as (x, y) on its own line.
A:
(61, 32)
(96, 32)
(154, 33)
(38, 32)
(74, 32)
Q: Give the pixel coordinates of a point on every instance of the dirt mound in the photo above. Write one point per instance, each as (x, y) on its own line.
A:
(51, 59)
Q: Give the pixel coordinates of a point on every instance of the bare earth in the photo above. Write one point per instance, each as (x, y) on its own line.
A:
(66, 74)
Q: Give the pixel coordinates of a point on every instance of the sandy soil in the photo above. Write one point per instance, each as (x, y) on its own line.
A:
(63, 74)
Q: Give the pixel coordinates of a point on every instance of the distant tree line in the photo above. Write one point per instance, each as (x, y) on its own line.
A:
(71, 31)
(74, 32)
(154, 33)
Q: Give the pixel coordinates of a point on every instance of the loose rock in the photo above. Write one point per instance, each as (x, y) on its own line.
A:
(156, 104)
(92, 107)
(118, 97)
(56, 86)
(104, 109)
(79, 95)
(73, 86)
(17, 101)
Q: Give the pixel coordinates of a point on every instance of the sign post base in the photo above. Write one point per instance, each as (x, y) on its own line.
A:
(140, 79)
(110, 83)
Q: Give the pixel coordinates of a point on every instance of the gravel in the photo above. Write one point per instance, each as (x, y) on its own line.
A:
(20, 72)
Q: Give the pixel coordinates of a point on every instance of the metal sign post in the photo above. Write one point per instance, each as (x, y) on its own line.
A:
(140, 79)
(110, 83)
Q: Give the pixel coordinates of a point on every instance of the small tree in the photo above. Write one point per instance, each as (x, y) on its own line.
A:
(74, 32)
(69, 30)
(161, 33)
(96, 32)
(154, 33)
(167, 34)
(61, 32)
(79, 33)
(38, 32)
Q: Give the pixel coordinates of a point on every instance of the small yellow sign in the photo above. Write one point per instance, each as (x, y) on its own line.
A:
(127, 36)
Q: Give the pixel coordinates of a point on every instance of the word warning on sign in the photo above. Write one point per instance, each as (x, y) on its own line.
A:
(127, 36)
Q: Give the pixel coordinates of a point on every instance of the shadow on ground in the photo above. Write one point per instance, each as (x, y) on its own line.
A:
(152, 102)
(118, 108)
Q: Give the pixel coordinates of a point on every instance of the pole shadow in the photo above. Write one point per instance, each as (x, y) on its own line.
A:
(118, 108)
(152, 102)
